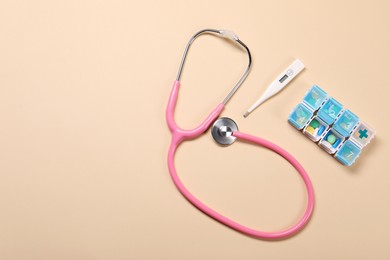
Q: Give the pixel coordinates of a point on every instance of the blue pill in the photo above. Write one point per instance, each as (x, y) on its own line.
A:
(321, 130)
(336, 143)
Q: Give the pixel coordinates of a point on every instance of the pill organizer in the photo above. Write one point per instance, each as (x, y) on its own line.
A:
(334, 128)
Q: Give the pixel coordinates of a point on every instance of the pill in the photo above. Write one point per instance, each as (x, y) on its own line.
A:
(314, 123)
(336, 143)
(331, 139)
(310, 130)
(321, 130)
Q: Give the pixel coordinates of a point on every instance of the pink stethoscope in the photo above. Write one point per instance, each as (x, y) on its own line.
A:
(225, 132)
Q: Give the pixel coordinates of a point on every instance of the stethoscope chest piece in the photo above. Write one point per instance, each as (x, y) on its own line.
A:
(222, 131)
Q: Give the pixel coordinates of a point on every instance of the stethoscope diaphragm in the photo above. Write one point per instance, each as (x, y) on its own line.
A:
(222, 131)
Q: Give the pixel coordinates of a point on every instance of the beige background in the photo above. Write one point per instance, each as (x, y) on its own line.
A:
(83, 139)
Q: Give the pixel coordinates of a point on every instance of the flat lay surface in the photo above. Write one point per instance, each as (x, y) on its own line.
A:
(83, 137)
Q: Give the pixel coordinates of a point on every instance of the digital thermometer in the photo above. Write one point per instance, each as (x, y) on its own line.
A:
(278, 84)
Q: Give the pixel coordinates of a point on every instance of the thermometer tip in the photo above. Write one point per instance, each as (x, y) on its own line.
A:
(246, 114)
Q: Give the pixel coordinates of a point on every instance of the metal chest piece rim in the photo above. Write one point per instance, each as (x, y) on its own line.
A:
(222, 131)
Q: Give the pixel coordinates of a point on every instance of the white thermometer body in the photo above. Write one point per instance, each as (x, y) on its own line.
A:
(278, 84)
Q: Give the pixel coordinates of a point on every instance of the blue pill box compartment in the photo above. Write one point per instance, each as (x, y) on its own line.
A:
(331, 146)
(300, 115)
(346, 123)
(315, 97)
(315, 131)
(348, 153)
(330, 111)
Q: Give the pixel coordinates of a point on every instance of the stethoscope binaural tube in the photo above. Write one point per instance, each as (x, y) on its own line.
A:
(223, 33)
(179, 135)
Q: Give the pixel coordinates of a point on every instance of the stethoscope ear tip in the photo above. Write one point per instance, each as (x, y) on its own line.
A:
(222, 131)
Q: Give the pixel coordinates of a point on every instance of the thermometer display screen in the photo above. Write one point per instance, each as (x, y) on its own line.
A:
(283, 78)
